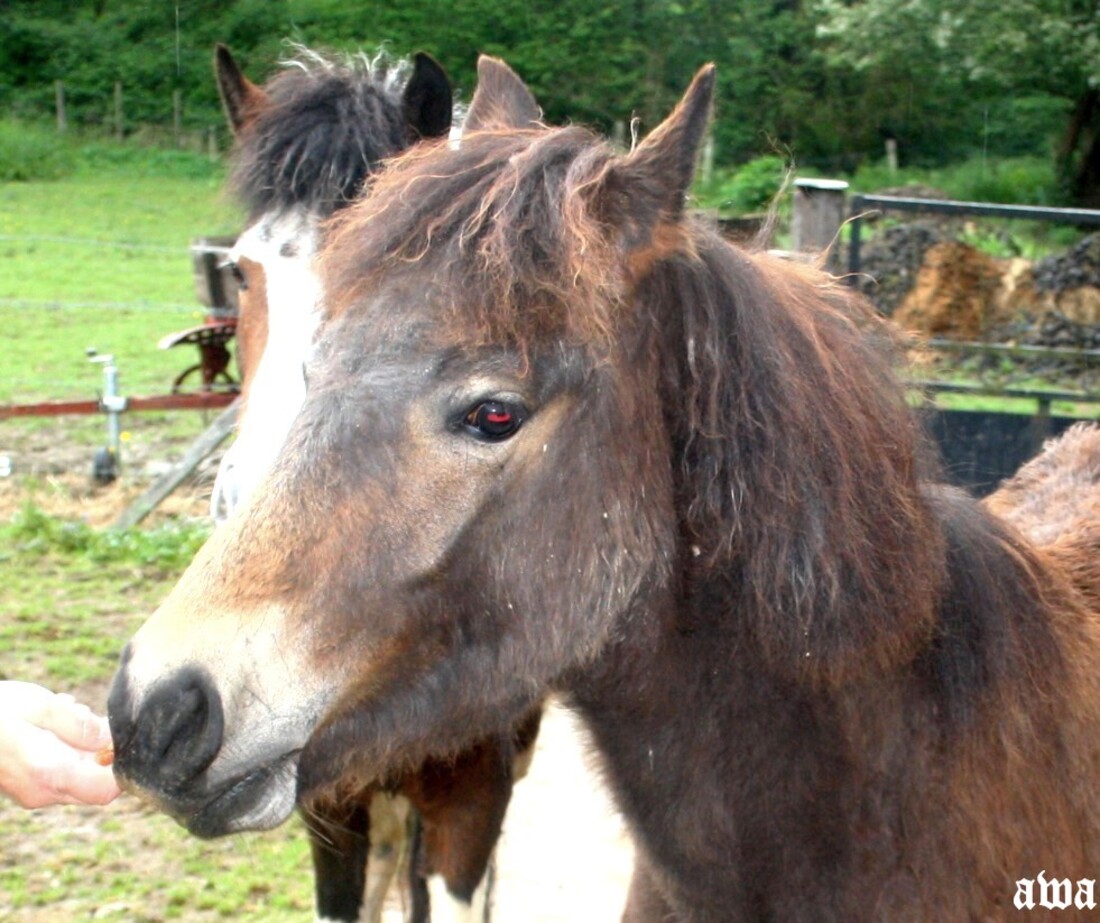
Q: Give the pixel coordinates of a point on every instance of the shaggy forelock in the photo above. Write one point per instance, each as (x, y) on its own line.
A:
(329, 123)
(504, 226)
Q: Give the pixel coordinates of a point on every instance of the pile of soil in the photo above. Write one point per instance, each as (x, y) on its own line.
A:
(935, 285)
(1079, 267)
(960, 293)
(1052, 329)
(890, 263)
(1070, 282)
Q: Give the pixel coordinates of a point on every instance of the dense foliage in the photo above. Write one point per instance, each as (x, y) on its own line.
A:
(824, 81)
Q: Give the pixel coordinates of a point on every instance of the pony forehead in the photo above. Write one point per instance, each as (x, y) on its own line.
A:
(499, 230)
(288, 234)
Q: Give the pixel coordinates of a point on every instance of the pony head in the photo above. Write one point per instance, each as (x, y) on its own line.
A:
(307, 142)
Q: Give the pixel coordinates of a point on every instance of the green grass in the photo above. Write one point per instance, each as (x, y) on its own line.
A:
(100, 259)
(72, 595)
(62, 622)
(1014, 405)
(262, 878)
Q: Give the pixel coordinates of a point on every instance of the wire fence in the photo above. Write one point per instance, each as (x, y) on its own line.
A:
(59, 305)
(88, 242)
(49, 337)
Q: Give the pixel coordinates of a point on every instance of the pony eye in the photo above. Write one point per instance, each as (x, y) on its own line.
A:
(237, 274)
(495, 420)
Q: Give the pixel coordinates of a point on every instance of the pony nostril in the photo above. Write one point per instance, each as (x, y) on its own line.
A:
(176, 735)
(176, 722)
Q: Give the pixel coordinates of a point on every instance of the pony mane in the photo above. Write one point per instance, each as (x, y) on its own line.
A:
(799, 462)
(330, 120)
(504, 205)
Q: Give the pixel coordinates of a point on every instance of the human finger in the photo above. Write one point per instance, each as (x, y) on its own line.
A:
(74, 723)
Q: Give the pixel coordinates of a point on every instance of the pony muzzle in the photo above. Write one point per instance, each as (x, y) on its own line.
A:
(165, 742)
(173, 750)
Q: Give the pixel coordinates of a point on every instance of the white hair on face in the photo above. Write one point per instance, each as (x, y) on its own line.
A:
(278, 386)
(383, 66)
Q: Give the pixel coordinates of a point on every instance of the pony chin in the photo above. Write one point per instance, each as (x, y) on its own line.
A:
(266, 799)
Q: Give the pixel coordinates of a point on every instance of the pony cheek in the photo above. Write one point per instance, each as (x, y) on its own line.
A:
(321, 765)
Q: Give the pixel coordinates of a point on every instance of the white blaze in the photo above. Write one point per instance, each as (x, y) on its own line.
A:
(285, 247)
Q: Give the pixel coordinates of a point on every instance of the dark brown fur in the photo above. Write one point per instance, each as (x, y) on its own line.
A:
(842, 693)
(825, 688)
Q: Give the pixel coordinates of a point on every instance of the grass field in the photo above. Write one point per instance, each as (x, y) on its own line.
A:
(100, 258)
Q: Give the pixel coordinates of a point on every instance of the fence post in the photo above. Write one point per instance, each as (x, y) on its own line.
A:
(818, 215)
(618, 133)
(892, 155)
(59, 98)
(177, 108)
(119, 130)
(706, 168)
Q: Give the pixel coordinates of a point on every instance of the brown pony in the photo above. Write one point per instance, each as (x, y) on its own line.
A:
(561, 437)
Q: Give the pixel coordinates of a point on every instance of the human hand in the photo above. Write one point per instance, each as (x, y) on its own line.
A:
(48, 745)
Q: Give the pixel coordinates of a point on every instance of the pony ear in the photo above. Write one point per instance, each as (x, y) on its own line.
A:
(427, 98)
(241, 98)
(501, 100)
(645, 190)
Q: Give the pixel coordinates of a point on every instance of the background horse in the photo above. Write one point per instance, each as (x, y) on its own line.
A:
(560, 437)
(306, 143)
(1055, 501)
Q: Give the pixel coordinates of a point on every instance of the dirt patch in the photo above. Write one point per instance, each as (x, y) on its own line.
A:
(78, 497)
(50, 465)
(936, 285)
(961, 293)
(890, 263)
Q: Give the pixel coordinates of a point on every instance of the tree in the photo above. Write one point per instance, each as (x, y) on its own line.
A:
(977, 53)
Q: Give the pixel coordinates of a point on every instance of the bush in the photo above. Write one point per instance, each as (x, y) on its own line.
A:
(165, 548)
(1009, 181)
(1016, 181)
(749, 188)
(31, 152)
(146, 160)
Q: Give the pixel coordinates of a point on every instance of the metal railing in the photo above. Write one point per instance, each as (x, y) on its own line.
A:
(861, 204)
